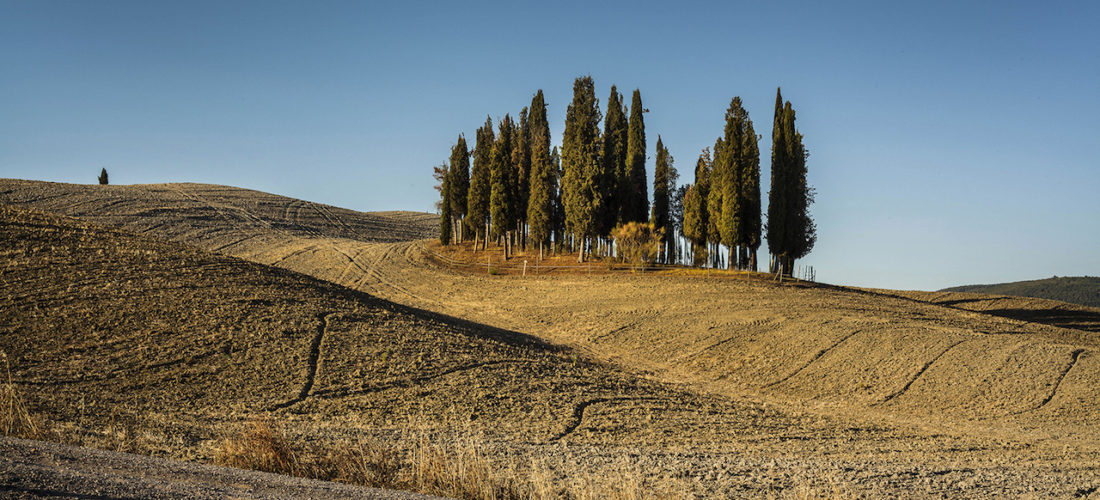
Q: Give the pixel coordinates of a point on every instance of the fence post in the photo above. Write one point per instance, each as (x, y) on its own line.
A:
(525, 268)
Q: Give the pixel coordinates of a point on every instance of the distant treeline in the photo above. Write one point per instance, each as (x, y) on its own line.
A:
(591, 197)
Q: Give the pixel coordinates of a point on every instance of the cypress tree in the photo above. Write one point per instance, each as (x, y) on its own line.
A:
(791, 232)
(445, 221)
(543, 178)
(728, 166)
(558, 219)
(694, 223)
(750, 197)
(477, 211)
(522, 159)
(637, 198)
(715, 191)
(103, 176)
(580, 158)
(502, 207)
(662, 185)
(460, 182)
(614, 182)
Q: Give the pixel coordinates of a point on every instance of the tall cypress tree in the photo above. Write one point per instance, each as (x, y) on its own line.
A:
(695, 226)
(580, 158)
(460, 181)
(613, 154)
(637, 202)
(662, 185)
(502, 205)
(445, 219)
(522, 159)
(477, 210)
(791, 231)
(749, 230)
(715, 191)
(728, 166)
(558, 220)
(543, 179)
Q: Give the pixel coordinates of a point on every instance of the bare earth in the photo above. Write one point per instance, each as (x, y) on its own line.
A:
(727, 384)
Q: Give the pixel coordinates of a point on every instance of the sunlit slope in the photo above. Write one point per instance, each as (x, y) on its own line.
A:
(101, 325)
(854, 349)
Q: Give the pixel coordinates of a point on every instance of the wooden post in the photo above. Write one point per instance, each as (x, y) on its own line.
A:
(525, 268)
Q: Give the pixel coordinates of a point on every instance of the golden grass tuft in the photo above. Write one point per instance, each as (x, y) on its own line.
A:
(15, 419)
(259, 446)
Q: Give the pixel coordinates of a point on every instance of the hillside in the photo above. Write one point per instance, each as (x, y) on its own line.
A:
(876, 390)
(1083, 290)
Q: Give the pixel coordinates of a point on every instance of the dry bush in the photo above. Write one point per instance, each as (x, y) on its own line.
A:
(638, 243)
(259, 446)
(15, 419)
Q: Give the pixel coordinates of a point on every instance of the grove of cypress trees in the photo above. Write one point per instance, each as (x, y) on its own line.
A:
(580, 158)
(662, 185)
(477, 210)
(613, 154)
(103, 176)
(636, 205)
(460, 183)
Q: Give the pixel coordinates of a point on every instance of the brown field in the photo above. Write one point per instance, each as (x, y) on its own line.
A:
(164, 317)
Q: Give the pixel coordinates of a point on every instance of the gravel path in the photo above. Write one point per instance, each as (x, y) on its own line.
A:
(36, 469)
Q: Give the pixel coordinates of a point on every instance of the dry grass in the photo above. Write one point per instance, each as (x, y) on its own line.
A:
(260, 446)
(15, 419)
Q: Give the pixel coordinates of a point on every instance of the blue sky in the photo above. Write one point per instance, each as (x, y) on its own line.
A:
(951, 142)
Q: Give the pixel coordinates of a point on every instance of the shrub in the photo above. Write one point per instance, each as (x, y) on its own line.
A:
(638, 242)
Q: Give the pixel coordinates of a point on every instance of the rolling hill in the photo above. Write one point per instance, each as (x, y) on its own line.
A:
(1083, 290)
(346, 324)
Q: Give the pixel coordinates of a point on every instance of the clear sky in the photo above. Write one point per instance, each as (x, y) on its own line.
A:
(951, 142)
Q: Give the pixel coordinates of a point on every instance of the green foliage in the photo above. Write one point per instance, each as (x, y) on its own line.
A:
(636, 202)
(502, 202)
(638, 242)
(580, 159)
(103, 176)
(663, 184)
(544, 174)
(614, 177)
(477, 210)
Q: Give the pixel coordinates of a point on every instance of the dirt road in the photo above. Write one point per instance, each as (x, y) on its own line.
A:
(38, 469)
